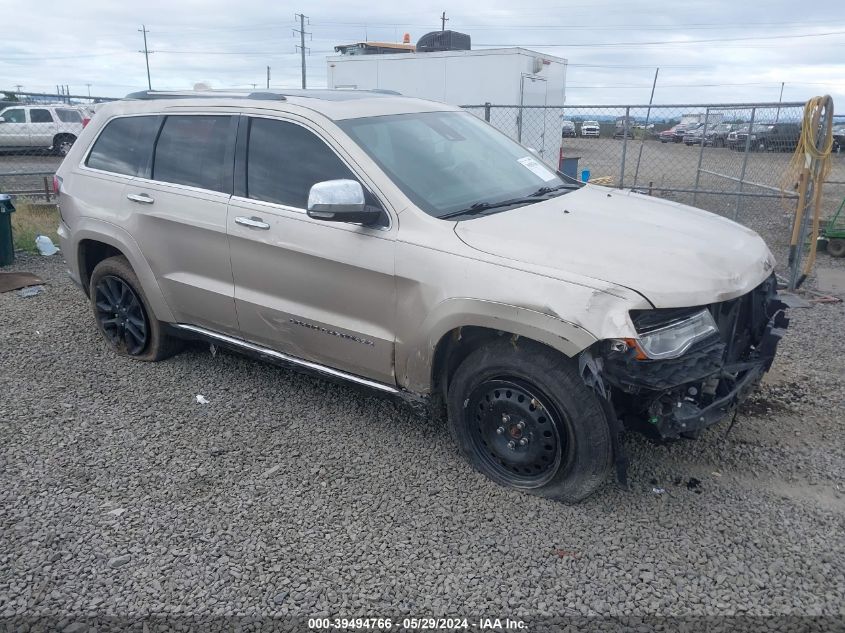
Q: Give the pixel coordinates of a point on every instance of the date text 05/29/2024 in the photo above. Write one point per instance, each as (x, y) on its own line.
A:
(416, 624)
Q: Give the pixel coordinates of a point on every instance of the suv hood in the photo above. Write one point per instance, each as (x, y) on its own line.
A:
(673, 254)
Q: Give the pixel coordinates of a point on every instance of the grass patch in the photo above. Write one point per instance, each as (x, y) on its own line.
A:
(31, 219)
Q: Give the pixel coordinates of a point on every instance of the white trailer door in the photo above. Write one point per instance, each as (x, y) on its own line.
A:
(531, 122)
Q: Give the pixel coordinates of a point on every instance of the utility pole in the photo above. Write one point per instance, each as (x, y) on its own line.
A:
(18, 88)
(89, 90)
(645, 130)
(67, 92)
(146, 52)
(302, 34)
(268, 78)
(780, 100)
(443, 20)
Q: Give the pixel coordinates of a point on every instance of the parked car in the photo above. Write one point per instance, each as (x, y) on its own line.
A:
(838, 138)
(777, 137)
(678, 134)
(276, 231)
(568, 129)
(28, 127)
(670, 135)
(715, 136)
(623, 132)
(590, 128)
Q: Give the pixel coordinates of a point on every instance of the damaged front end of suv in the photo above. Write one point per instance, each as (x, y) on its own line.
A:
(689, 367)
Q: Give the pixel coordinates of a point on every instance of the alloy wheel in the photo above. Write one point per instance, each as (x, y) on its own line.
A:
(121, 315)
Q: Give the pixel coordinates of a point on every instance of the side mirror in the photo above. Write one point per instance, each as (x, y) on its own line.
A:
(341, 201)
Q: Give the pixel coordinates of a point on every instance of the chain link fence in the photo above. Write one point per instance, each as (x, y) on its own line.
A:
(731, 159)
(36, 131)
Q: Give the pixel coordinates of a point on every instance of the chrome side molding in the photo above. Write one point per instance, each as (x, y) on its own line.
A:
(293, 360)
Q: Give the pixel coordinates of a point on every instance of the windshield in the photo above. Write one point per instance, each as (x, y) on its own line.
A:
(445, 162)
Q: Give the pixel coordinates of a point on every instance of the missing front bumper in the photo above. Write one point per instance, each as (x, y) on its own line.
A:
(683, 395)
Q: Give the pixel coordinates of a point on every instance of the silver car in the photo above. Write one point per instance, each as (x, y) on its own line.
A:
(408, 247)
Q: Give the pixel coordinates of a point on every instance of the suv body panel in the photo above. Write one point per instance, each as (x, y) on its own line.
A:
(324, 292)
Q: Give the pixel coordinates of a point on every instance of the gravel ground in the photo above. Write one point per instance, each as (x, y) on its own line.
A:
(285, 495)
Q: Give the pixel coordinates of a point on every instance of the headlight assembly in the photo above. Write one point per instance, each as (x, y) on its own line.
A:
(674, 338)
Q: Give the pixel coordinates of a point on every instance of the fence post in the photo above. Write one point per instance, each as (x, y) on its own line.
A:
(624, 146)
(744, 163)
(519, 124)
(487, 111)
(700, 156)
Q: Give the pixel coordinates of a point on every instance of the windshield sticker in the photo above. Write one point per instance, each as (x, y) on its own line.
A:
(537, 168)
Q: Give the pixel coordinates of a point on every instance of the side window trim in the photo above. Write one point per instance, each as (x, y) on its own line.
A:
(228, 152)
(242, 163)
(83, 163)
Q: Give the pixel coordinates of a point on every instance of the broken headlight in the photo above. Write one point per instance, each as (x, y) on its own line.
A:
(672, 339)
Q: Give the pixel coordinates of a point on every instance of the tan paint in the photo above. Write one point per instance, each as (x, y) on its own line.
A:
(375, 302)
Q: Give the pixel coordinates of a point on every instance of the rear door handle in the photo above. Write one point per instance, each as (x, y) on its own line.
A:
(141, 197)
(253, 222)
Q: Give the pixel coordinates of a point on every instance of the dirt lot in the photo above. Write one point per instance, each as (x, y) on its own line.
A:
(288, 497)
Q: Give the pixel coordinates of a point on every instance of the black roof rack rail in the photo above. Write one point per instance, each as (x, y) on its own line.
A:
(204, 94)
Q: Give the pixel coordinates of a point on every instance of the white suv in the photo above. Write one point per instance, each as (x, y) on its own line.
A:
(50, 127)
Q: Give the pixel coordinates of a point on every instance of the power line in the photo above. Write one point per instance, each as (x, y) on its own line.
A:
(650, 43)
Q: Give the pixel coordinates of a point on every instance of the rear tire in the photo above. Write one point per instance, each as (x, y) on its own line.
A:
(62, 144)
(836, 247)
(123, 313)
(524, 418)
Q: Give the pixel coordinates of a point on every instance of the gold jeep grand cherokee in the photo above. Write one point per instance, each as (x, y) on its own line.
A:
(409, 247)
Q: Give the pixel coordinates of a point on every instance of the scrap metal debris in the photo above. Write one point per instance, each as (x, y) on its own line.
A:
(201, 399)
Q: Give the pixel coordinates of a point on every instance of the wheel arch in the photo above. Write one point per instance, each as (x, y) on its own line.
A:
(458, 326)
(93, 245)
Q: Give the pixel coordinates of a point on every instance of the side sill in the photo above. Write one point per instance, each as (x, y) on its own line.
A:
(285, 358)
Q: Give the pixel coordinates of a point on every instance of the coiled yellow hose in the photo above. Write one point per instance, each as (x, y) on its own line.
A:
(810, 164)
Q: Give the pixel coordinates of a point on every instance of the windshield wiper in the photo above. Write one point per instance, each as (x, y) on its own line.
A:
(481, 207)
(543, 191)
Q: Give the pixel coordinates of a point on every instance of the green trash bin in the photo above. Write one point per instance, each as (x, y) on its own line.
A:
(7, 244)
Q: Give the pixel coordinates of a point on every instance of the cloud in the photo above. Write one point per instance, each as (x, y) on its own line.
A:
(230, 45)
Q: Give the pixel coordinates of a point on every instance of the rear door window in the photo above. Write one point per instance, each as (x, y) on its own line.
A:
(39, 115)
(69, 116)
(284, 160)
(191, 150)
(125, 146)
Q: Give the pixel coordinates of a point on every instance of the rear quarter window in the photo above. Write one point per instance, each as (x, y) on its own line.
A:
(125, 146)
(69, 116)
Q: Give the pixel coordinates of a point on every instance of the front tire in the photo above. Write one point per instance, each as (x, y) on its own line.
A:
(123, 315)
(524, 418)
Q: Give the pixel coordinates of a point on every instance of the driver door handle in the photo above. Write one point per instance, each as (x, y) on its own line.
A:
(253, 222)
(141, 197)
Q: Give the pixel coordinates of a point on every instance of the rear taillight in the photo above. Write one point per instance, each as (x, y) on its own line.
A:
(57, 185)
(86, 121)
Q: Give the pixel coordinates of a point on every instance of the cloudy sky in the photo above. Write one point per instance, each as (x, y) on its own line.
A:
(707, 50)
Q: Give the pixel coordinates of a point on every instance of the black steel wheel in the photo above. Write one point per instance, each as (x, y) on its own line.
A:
(123, 313)
(120, 315)
(515, 430)
(522, 415)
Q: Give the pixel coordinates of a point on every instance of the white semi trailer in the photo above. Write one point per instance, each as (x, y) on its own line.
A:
(499, 76)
